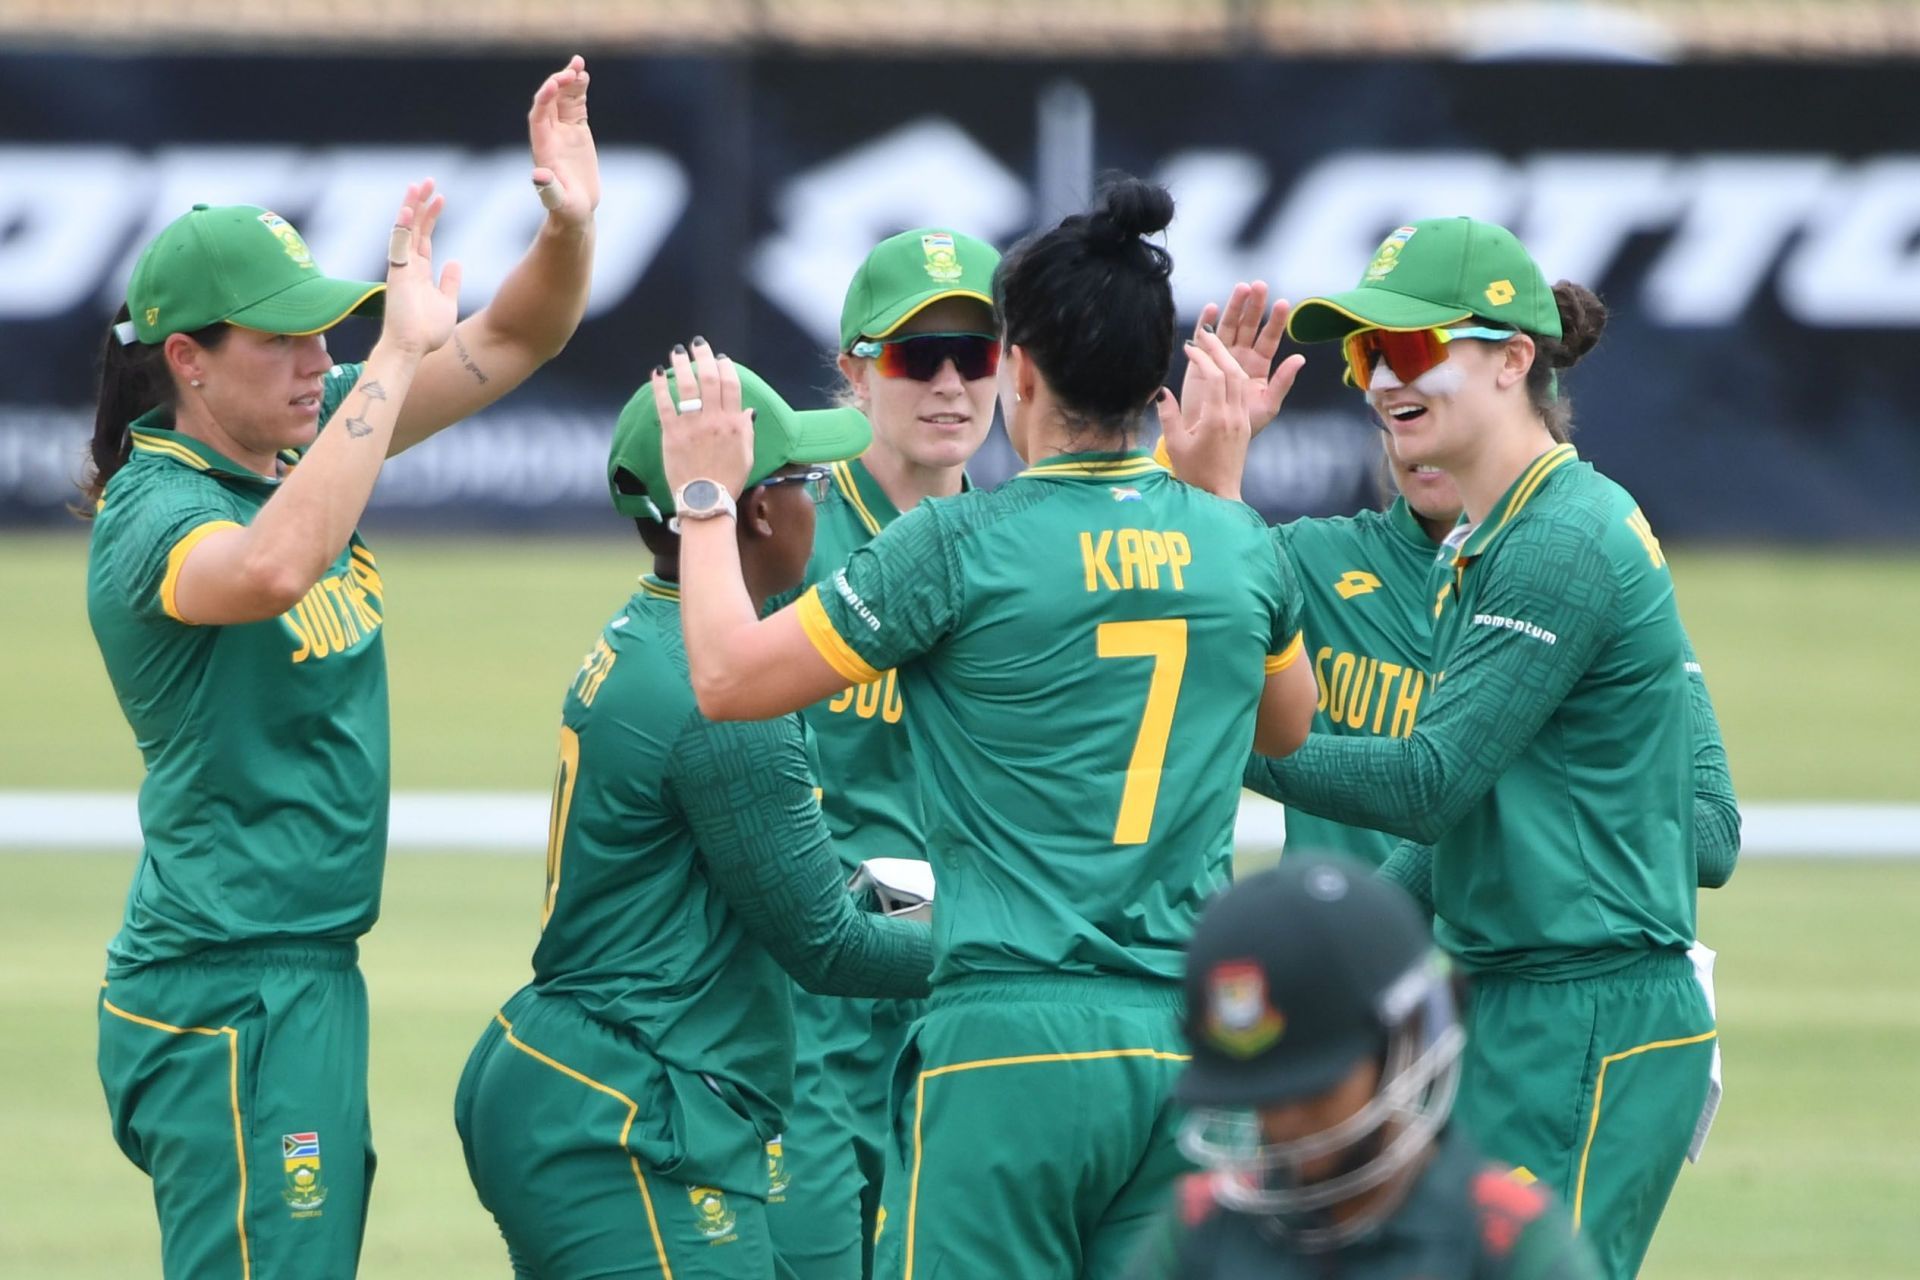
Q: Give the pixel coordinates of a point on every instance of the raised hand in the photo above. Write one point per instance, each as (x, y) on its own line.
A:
(704, 433)
(420, 313)
(1253, 343)
(1208, 427)
(566, 169)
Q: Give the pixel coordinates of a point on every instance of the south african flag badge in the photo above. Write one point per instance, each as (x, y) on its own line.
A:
(304, 1192)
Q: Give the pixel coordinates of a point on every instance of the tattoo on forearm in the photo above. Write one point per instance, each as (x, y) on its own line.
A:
(358, 427)
(466, 359)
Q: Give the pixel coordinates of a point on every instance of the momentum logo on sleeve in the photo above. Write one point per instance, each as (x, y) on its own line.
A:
(1515, 624)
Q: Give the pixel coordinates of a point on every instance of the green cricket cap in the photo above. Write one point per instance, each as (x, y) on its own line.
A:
(637, 475)
(907, 273)
(1433, 273)
(244, 265)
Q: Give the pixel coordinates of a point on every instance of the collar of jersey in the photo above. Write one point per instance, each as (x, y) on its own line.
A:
(870, 503)
(1094, 466)
(1514, 500)
(152, 433)
(1402, 521)
(658, 588)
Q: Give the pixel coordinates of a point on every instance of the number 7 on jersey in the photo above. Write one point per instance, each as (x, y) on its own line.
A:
(1165, 641)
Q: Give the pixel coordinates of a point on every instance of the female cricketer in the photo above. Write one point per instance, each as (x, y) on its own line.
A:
(239, 615)
(1551, 767)
(622, 1113)
(1368, 615)
(919, 348)
(1080, 648)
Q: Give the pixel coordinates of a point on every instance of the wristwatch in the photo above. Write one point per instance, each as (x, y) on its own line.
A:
(702, 500)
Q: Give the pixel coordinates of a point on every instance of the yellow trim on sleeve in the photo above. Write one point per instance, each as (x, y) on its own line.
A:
(843, 479)
(920, 1106)
(233, 1101)
(1278, 662)
(633, 1109)
(177, 558)
(839, 654)
(1599, 1087)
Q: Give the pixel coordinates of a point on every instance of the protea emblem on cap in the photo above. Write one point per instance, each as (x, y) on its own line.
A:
(943, 262)
(1240, 1019)
(289, 239)
(1387, 256)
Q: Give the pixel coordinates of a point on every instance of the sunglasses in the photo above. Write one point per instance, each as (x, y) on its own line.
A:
(921, 356)
(819, 481)
(1408, 353)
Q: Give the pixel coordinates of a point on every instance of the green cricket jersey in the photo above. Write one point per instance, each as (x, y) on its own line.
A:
(688, 866)
(1081, 649)
(263, 813)
(870, 794)
(1463, 1219)
(1368, 609)
(1552, 768)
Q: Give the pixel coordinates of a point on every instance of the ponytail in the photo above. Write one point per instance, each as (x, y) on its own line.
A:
(133, 380)
(1091, 303)
(1582, 318)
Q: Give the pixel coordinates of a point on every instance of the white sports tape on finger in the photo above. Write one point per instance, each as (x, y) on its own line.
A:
(399, 247)
(551, 194)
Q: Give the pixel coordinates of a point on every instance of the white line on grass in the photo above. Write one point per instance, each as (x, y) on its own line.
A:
(516, 822)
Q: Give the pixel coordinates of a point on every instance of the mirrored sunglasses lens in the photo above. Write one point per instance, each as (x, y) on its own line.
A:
(921, 359)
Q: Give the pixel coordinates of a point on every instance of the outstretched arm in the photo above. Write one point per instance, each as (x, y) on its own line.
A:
(745, 790)
(1500, 686)
(539, 304)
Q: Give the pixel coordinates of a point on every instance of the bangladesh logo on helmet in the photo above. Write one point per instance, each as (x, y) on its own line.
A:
(1240, 1019)
(715, 1216)
(289, 239)
(1387, 256)
(943, 260)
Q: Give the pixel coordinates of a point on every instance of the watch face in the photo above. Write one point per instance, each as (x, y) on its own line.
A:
(700, 495)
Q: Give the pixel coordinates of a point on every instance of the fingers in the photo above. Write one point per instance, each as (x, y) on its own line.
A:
(1233, 327)
(1230, 379)
(662, 396)
(450, 283)
(684, 384)
(1173, 426)
(1267, 344)
(547, 185)
(1282, 380)
(1209, 318)
(431, 207)
(707, 371)
(729, 384)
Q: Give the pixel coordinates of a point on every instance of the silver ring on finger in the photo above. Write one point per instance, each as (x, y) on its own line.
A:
(689, 405)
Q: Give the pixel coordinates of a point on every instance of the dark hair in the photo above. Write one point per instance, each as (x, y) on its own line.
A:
(1582, 318)
(133, 379)
(1091, 304)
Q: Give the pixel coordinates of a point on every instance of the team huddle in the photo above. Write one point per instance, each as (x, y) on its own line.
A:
(888, 926)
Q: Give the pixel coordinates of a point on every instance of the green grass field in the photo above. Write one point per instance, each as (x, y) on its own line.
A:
(1813, 1170)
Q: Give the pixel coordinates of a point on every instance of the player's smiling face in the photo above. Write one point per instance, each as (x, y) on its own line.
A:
(936, 424)
(263, 389)
(1433, 420)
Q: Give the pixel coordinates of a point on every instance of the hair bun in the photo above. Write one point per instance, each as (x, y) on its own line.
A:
(1125, 210)
(1582, 319)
